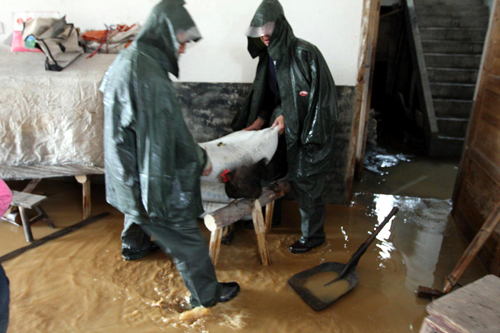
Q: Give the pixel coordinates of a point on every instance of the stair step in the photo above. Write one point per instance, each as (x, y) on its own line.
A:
(452, 108)
(449, 46)
(449, 2)
(458, 34)
(452, 91)
(452, 75)
(452, 11)
(452, 127)
(464, 61)
(449, 146)
(453, 22)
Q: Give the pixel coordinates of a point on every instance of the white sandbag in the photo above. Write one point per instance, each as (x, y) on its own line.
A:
(214, 192)
(238, 149)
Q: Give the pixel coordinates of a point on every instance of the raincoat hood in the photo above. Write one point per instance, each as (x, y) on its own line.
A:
(270, 15)
(168, 25)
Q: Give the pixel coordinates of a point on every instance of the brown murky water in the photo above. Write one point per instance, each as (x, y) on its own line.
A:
(316, 284)
(79, 283)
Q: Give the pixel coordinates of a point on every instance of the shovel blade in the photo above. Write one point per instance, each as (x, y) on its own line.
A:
(298, 282)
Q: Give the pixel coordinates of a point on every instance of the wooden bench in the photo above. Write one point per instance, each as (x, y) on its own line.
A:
(24, 201)
(225, 216)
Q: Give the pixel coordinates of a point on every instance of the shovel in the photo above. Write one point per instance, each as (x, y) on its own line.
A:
(308, 284)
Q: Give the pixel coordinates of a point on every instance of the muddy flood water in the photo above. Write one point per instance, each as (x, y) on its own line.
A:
(80, 283)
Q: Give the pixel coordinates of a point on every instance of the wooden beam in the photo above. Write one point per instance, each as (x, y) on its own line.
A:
(55, 235)
(368, 88)
(358, 127)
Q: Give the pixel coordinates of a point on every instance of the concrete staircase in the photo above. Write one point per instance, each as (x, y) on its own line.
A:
(453, 35)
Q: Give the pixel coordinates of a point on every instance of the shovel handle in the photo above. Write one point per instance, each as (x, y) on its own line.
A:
(351, 265)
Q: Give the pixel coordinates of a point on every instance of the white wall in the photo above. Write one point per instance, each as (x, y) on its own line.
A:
(334, 26)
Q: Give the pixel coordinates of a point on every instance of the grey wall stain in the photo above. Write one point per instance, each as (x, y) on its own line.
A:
(209, 108)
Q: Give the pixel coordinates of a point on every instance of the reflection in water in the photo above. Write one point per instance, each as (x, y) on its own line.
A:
(419, 241)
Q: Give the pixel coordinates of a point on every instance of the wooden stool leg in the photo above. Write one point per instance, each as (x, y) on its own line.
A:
(86, 197)
(45, 217)
(269, 215)
(26, 225)
(260, 232)
(215, 243)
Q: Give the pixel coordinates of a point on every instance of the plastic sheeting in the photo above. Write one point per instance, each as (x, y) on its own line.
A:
(240, 148)
(51, 122)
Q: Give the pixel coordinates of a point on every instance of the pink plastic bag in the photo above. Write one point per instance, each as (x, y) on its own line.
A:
(5, 197)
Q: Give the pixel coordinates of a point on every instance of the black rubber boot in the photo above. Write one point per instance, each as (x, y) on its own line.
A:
(229, 291)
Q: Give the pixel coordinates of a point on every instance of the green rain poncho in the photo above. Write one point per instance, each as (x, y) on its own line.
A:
(307, 89)
(153, 165)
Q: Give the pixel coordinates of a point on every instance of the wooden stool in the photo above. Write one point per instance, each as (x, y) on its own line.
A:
(225, 216)
(24, 201)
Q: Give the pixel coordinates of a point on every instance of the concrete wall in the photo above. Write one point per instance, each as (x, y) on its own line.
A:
(334, 26)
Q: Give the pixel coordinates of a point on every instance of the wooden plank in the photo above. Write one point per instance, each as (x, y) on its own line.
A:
(473, 308)
(492, 59)
(260, 232)
(473, 249)
(26, 200)
(353, 159)
(476, 190)
(55, 235)
(368, 86)
(269, 215)
(483, 194)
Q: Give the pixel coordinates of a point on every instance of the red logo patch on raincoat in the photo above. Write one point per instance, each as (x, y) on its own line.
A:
(303, 93)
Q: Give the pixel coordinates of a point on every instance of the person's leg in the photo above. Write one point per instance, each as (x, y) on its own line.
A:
(189, 251)
(4, 301)
(312, 207)
(135, 242)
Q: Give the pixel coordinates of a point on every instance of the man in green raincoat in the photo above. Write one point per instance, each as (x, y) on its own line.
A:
(293, 89)
(153, 165)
